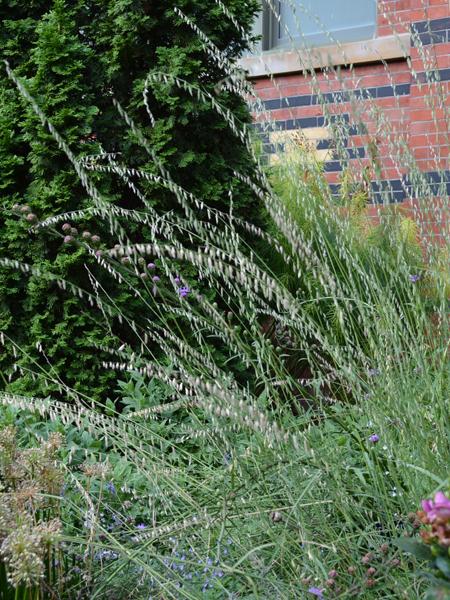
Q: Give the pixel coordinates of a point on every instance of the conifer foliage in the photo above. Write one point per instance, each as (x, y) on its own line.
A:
(75, 57)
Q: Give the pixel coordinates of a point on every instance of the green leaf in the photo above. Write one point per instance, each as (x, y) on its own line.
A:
(414, 547)
(443, 564)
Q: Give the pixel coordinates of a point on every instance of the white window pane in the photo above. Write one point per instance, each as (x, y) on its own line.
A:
(310, 20)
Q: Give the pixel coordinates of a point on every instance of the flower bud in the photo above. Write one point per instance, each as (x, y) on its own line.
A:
(332, 574)
(371, 571)
(68, 239)
(95, 239)
(86, 235)
(31, 218)
(66, 227)
(73, 231)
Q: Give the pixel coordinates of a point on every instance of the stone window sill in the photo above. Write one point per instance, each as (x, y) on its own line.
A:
(278, 62)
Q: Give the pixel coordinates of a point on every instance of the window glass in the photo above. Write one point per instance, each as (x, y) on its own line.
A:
(308, 21)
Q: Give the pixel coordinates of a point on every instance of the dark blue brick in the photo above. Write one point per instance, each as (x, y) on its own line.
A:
(332, 166)
(325, 144)
(426, 39)
(433, 25)
(433, 76)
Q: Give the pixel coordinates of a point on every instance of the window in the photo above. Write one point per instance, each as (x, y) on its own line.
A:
(283, 23)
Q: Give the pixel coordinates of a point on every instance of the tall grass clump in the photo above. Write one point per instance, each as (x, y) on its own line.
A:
(283, 399)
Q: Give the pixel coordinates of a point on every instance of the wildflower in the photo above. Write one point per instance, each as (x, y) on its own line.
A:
(156, 278)
(68, 239)
(98, 253)
(414, 278)
(66, 227)
(26, 209)
(183, 291)
(373, 439)
(177, 280)
(95, 239)
(31, 218)
(439, 509)
(111, 487)
(141, 526)
(86, 235)
(315, 591)
(151, 266)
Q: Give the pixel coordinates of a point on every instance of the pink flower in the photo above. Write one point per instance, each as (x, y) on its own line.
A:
(439, 508)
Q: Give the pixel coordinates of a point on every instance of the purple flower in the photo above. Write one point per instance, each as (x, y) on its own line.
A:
(151, 266)
(374, 438)
(183, 291)
(68, 239)
(437, 509)
(111, 487)
(156, 278)
(141, 526)
(316, 592)
(414, 278)
(177, 280)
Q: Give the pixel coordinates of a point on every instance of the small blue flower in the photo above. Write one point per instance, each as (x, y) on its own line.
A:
(316, 592)
(374, 438)
(111, 487)
(414, 278)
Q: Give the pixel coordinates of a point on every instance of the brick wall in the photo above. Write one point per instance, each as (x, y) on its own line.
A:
(377, 104)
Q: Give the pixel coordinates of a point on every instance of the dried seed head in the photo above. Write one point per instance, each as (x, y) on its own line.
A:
(86, 235)
(371, 571)
(276, 516)
(73, 231)
(351, 570)
(95, 239)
